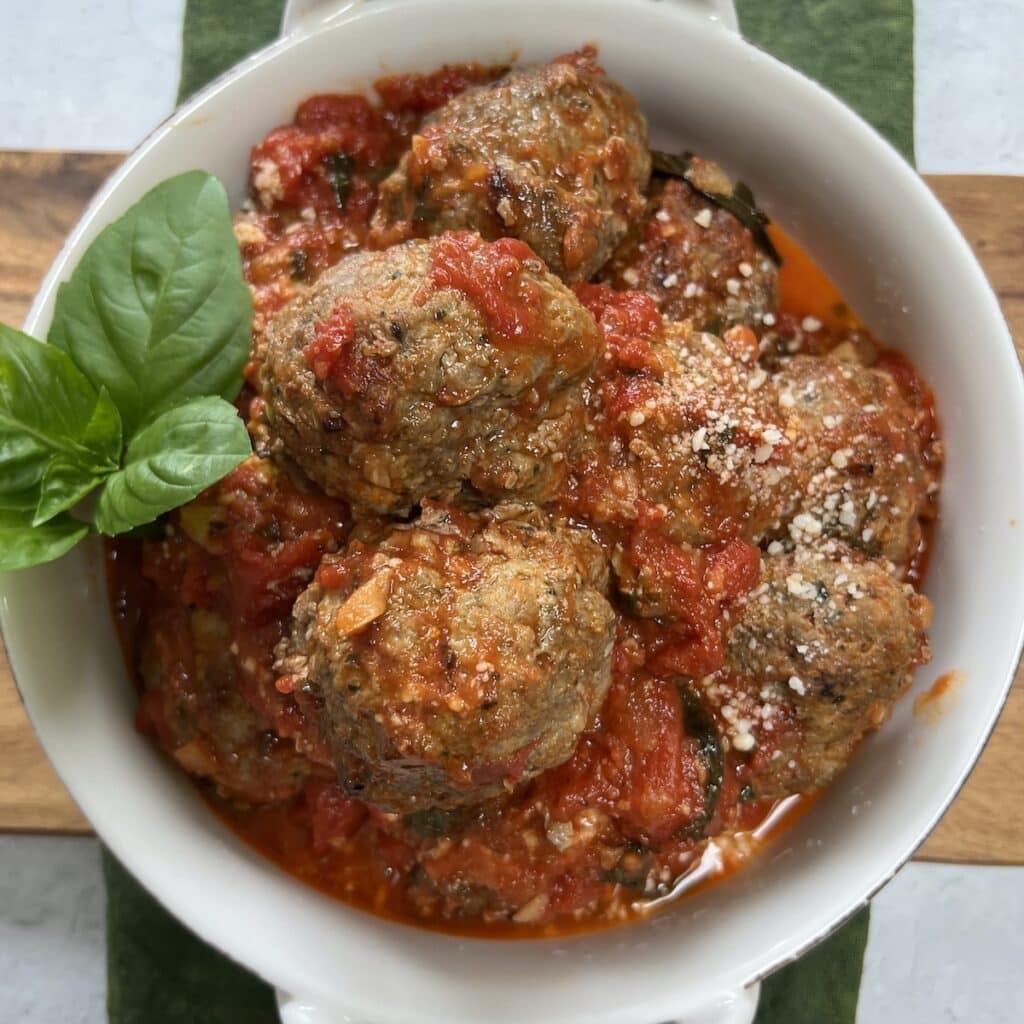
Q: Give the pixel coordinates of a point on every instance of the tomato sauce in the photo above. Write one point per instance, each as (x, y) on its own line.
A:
(628, 320)
(314, 181)
(578, 847)
(940, 697)
(491, 275)
(639, 765)
(419, 94)
(805, 289)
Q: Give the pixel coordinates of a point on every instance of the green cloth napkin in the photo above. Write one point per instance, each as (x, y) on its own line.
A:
(158, 972)
(862, 50)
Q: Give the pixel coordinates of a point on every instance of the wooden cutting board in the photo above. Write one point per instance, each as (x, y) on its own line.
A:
(41, 196)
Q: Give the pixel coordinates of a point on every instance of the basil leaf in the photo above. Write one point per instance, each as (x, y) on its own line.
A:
(22, 544)
(431, 822)
(64, 485)
(170, 461)
(699, 725)
(48, 409)
(157, 311)
(339, 168)
(675, 165)
(20, 501)
(66, 481)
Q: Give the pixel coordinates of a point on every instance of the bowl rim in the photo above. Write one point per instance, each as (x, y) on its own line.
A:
(681, 19)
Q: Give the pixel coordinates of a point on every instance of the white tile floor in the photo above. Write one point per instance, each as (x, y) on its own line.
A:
(946, 942)
(970, 89)
(86, 75)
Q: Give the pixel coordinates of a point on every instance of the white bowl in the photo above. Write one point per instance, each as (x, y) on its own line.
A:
(864, 214)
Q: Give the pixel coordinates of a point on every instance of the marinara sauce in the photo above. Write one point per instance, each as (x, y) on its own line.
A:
(246, 548)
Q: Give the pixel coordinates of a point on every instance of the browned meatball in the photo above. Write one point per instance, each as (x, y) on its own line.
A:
(191, 702)
(455, 657)
(695, 259)
(819, 653)
(696, 433)
(410, 373)
(697, 429)
(865, 469)
(555, 155)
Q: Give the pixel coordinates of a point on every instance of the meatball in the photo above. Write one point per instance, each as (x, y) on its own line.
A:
(865, 467)
(695, 259)
(455, 657)
(438, 364)
(819, 653)
(689, 428)
(192, 704)
(556, 156)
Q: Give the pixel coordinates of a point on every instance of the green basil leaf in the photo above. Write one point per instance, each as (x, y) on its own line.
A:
(22, 544)
(700, 726)
(158, 311)
(104, 428)
(48, 409)
(170, 461)
(64, 485)
(67, 481)
(339, 168)
(20, 501)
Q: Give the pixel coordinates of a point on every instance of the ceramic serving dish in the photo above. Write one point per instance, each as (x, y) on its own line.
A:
(878, 231)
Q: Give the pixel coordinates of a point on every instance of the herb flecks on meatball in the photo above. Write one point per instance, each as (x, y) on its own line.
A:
(555, 156)
(436, 366)
(456, 657)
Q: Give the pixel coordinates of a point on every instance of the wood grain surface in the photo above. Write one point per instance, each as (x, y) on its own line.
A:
(41, 196)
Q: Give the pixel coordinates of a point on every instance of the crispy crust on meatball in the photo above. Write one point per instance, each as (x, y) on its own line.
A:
(554, 155)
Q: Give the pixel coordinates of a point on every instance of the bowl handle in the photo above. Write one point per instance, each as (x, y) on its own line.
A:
(306, 15)
(734, 1008)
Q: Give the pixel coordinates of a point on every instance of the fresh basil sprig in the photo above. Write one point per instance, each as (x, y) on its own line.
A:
(23, 544)
(133, 392)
